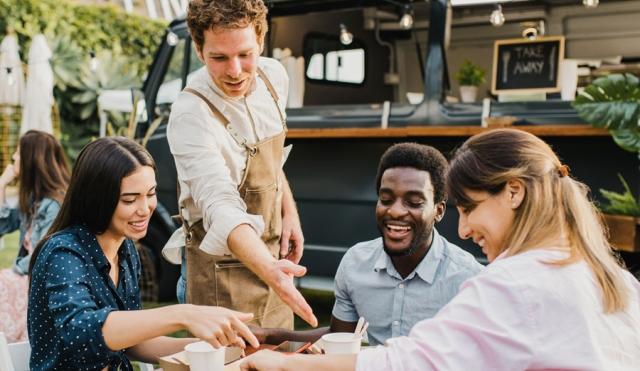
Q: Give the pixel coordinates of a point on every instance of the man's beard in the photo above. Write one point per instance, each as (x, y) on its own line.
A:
(417, 241)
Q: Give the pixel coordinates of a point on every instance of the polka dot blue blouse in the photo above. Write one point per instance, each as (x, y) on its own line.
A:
(70, 298)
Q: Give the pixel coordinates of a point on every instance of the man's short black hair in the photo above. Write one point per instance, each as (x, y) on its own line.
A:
(420, 157)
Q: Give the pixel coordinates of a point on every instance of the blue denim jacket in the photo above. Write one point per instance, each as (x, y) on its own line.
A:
(12, 219)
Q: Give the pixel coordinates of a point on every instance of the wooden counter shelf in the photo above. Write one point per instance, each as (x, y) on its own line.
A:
(442, 131)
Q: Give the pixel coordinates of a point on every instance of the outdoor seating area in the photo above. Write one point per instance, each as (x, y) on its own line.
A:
(239, 185)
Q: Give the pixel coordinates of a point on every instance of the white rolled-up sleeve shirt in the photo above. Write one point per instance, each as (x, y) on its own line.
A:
(210, 163)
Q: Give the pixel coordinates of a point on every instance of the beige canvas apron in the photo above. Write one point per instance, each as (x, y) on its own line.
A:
(223, 280)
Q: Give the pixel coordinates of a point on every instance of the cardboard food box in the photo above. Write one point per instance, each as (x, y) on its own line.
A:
(178, 361)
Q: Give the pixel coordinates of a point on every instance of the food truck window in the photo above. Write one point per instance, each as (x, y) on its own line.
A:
(172, 82)
(329, 61)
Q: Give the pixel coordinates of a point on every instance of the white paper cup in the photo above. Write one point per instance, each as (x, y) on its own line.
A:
(341, 343)
(202, 356)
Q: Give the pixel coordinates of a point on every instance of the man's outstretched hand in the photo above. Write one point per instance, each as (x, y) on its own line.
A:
(280, 279)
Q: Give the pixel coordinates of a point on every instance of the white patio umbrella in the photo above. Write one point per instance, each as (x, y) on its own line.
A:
(38, 97)
(11, 76)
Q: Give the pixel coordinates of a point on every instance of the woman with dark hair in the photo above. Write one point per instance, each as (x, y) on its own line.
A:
(553, 296)
(41, 169)
(84, 299)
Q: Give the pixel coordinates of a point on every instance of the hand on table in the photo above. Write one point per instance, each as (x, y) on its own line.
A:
(265, 360)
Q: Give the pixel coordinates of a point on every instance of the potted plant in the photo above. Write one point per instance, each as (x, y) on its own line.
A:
(613, 103)
(622, 217)
(469, 77)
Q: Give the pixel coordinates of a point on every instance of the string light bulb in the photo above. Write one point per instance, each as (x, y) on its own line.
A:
(172, 38)
(497, 17)
(346, 37)
(406, 21)
(590, 3)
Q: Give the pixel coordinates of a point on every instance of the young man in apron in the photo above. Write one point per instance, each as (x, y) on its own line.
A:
(226, 132)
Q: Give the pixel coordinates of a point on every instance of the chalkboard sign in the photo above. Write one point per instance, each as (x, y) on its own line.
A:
(527, 65)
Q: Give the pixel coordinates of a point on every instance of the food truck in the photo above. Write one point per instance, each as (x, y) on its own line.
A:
(368, 74)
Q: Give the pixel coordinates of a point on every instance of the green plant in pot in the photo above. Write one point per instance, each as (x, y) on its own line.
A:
(469, 77)
(613, 102)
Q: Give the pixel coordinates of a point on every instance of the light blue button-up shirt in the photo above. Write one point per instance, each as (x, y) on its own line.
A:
(367, 284)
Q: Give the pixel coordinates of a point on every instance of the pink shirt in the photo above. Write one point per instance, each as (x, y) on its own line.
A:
(521, 314)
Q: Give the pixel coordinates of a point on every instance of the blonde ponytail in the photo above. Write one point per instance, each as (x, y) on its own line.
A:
(554, 203)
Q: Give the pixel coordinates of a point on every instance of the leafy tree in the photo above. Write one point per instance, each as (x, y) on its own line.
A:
(123, 43)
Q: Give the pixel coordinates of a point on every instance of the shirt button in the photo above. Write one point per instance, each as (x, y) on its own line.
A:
(401, 286)
(396, 323)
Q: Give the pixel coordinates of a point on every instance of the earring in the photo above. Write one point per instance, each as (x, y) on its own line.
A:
(513, 205)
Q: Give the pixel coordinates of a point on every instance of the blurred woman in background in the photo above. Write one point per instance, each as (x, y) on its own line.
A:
(40, 166)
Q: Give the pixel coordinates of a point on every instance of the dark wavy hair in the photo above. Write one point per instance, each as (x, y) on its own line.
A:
(417, 156)
(43, 170)
(94, 189)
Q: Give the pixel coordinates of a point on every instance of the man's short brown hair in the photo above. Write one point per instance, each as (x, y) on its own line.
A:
(204, 15)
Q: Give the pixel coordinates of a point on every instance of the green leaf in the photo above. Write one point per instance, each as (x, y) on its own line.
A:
(87, 111)
(611, 102)
(621, 203)
(627, 139)
(72, 30)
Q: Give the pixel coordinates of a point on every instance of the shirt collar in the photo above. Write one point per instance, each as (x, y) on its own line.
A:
(91, 247)
(547, 250)
(426, 269)
(383, 261)
(94, 250)
(502, 255)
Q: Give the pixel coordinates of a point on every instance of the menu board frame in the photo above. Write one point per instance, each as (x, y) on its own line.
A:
(547, 39)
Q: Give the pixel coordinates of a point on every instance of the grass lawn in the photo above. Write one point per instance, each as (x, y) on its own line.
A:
(10, 250)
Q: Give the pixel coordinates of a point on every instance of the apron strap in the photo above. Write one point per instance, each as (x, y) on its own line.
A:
(270, 87)
(242, 141)
(214, 110)
(274, 95)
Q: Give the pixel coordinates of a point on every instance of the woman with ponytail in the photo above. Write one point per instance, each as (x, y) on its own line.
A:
(553, 296)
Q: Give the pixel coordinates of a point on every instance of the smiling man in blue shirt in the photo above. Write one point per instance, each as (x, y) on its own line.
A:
(408, 273)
